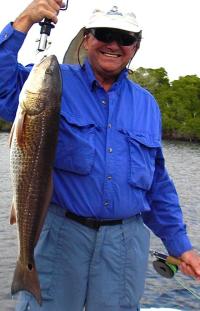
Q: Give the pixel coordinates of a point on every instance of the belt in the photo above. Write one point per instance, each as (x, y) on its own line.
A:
(91, 222)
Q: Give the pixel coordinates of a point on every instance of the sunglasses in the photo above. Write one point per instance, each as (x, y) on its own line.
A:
(108, 35)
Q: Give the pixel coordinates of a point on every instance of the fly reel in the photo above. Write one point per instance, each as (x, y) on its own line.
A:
(165, 269)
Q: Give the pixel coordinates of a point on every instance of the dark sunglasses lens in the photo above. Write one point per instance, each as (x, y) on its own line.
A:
(102, 34)
(126, 39)
(108, 35)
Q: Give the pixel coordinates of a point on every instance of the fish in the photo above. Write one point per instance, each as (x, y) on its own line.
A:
(33, 141)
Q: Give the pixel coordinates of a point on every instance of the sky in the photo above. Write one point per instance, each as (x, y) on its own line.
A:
(170, 32)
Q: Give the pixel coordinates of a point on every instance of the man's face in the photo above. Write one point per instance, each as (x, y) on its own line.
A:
(108, 59)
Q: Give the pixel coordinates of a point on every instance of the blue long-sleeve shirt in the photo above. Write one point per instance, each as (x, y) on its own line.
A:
(109, 162)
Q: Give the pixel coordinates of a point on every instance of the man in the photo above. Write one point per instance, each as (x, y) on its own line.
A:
(109, 173)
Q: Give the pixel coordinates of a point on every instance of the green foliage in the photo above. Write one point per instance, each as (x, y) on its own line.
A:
(179, 101)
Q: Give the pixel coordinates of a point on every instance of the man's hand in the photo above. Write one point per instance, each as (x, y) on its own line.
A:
(35, 12)
(190, 264)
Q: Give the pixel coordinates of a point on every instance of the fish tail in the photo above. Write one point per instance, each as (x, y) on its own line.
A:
(26, 278)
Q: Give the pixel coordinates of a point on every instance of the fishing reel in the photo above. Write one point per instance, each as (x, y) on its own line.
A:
(166, 266)
(46, 26)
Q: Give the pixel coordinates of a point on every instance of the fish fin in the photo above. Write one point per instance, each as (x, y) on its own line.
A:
(13, 215)
(11, 135)
(19, 126)
(45, 209)
(26, 278)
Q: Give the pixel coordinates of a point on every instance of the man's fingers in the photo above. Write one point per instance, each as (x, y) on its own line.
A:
(186, 269)
(190, 264)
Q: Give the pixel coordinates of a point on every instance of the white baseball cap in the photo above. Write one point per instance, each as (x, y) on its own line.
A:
(112, 18)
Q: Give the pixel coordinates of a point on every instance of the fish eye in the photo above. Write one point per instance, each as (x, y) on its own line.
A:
(48, 71)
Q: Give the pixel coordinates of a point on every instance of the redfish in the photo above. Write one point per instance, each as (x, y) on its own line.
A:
(32, 152)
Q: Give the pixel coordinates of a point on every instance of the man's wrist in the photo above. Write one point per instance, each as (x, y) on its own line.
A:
(22, 23)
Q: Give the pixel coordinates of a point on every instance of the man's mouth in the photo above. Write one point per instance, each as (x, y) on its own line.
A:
(112, 55)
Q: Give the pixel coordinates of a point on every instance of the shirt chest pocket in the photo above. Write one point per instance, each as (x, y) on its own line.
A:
(142, 161)
(76, 146)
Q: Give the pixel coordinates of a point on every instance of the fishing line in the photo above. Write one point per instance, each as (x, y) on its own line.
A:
(175, 270)
(191, 291)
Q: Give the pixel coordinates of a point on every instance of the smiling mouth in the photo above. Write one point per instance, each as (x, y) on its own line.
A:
(112, 55)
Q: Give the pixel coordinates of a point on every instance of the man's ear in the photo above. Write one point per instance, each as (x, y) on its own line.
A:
(136, 48)
(138, 45)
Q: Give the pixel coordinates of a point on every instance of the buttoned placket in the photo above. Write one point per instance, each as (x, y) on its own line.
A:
(110, 152)
(108, 101)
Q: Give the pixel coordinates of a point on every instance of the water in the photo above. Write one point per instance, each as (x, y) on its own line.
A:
(183, 161)
(8, 243)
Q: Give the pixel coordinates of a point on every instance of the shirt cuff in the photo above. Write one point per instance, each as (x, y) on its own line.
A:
(178, 245)
(12, 39)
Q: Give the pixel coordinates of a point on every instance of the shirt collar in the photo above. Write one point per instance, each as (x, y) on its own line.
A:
(92, 79)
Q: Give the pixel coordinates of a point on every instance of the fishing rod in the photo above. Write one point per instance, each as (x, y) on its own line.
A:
(167, 266)
(46, 26)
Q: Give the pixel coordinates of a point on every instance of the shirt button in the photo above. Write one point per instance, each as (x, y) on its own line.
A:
(5, 36)
(106, 203)
(110, 150)
(109, 125)
(103, 102)
(109, 177)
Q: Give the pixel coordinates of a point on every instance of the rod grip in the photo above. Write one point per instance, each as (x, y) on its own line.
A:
(172, 260)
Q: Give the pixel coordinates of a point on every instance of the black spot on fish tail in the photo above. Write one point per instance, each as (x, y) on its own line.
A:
(30, 266)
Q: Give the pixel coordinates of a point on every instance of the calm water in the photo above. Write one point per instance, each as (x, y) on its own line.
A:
(183, 160)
